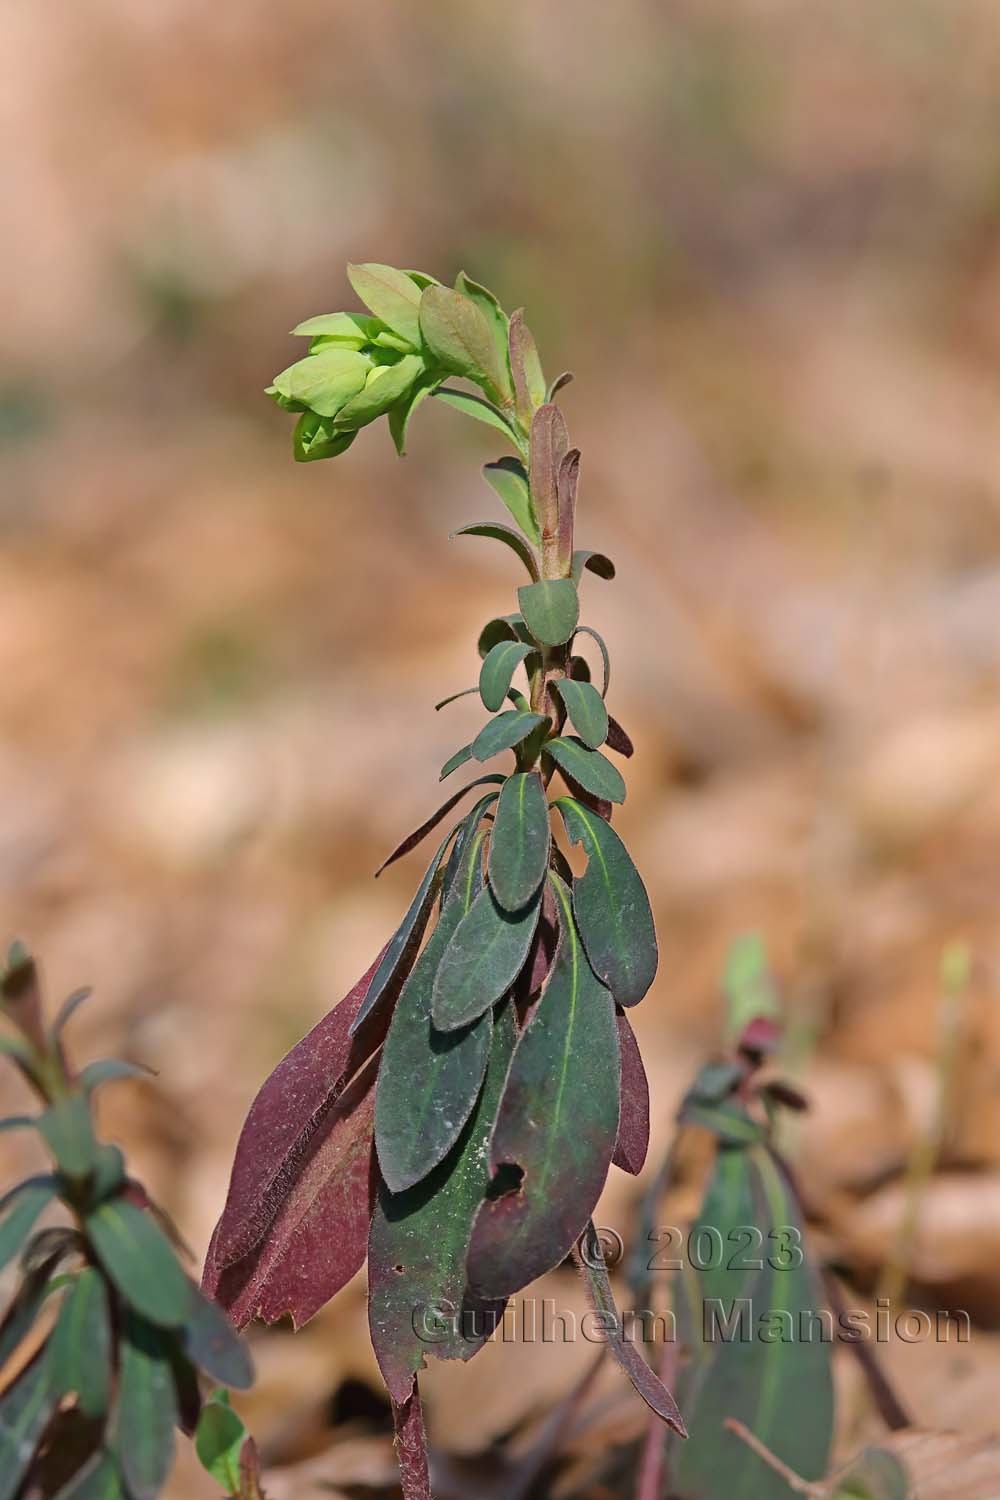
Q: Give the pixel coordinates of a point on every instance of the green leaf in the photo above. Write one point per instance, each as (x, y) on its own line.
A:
(503, 534)
(79, 1351)
(99, 1479)
(485, 955)
(508, 479)
(68, 1009)
(392, 296)
(503, 628)
(586, 630)
(325, 381)
(497, 671)
(551, 609)
(139, 1259)
(25, 1408)
(453, 762)
(595, 562)
(21, 1207)
(483, 411)
(69, 1134)
(142, 1424)
(611, 906)
(107, 1070)
(558, 1122)
(498, 322)
(317, 437)
(218, 1442)
(585, 707)
(418, 1243)
(769, 1374)
(429, 1080)
(385, 385)
(352, 329)
(399, 416)
(411, 841)
(588, 769)
(212, 1345)
(505, 731)
(519, 847)
(458, 334)
(407, 935)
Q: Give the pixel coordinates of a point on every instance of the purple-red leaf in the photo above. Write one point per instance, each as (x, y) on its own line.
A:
(288, 1112)
(418, 834)
(633, 1122)
(411, 1447)
(544, 945)
(618, 739)
(319, 1235)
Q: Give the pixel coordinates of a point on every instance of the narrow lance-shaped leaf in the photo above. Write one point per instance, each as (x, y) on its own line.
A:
(605, 658)
(505, 731)
(507, 536)
(79, 1352)
(418, 1301)
(475, 406)
(519, 847)
(392, 296)
(611, 906)
(428, 1079)
(419, 834)
(402, 944)
(588, 769)
(633, 1125)
(557, 1124)
(525, 369)
(508, 478)
(567, 483)
(549, 442)
(138, 1258)
(585, 707)
(485, 955)
(551, 609)
(497, 671)
(210, 1344)
(22, 1206)
(142, 1424)
(25, 1408)
(69, 1134)
(461, 757)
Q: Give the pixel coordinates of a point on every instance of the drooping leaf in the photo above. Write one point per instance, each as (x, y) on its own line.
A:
(549, 443)
(557, 1124)
(503, 628)
(138, 1258)
(79, 1351)
(21, 1207)
(611, 906)
(497, 671)
(107, 1070)
(585, 707)
(505, 731)
(505, 534)
(458, 334)
(324, 382)
(25, 1409)
(461, 757)
(402, 413)
(509, 480)
(397, 956)
(475, 406)
(316, 1240)
(525, 369)
(767, 1373)
(519, 847)
(391, 295)
(595, 562)
(551, 609)
(588, 769)
(429, 1079)
(219, 1441)
(141, 1433)
(418, 1245)
(557, 385)
(68, 1009)
(633, 1124)
(413, 839)
(605, 658)
(644, 1382)
(484, 956)
(411, 1447)
(384, 386)
(498, 322)
(618, 740)
(210, 1344)
(69, 1134)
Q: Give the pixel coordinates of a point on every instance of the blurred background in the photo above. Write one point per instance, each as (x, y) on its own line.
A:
(766, 237)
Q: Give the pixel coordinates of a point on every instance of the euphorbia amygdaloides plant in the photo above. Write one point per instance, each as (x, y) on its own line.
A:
(455, 1116)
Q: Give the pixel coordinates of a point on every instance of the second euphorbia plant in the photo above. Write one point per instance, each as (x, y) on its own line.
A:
(454, 1118)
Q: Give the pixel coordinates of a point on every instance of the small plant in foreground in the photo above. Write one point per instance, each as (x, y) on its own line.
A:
(106, 1334)
(454, 1118)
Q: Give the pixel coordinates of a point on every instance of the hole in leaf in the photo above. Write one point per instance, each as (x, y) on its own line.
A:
(506, 1179)
(399, 1270)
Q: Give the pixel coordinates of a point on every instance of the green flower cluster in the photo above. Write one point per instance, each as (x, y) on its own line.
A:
(417, 332)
